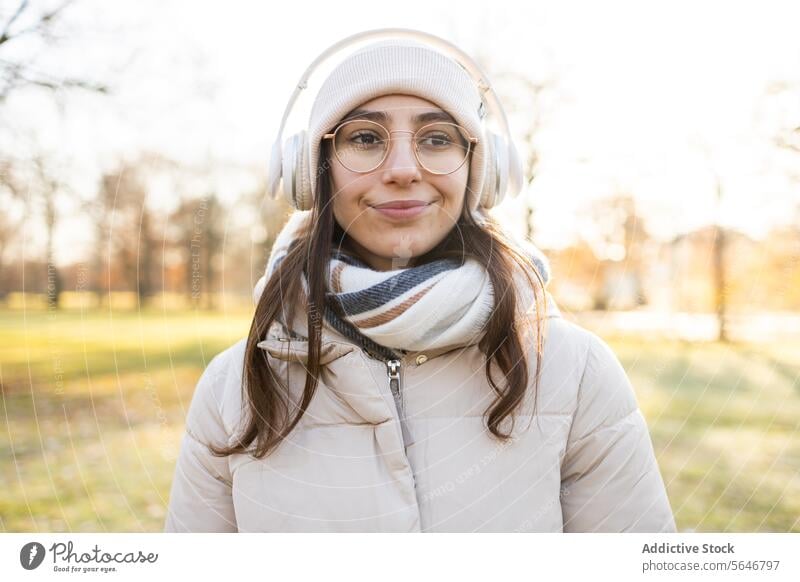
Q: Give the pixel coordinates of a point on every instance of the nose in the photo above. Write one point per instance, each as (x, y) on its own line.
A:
(401, 166)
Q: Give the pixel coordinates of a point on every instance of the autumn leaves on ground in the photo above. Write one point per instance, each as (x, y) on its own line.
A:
(93, 404)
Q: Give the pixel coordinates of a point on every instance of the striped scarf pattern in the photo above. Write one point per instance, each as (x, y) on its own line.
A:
(434, 305)
(444, 303)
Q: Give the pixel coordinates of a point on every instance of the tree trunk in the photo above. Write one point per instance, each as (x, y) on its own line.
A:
(719, 282)
(720, 299)
(53, 279)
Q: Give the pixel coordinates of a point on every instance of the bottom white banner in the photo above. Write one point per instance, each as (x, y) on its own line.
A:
(388, 557)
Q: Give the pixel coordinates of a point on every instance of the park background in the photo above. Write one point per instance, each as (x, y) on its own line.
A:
(662, 157)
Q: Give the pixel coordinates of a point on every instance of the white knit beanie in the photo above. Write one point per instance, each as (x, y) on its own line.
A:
(403, 68)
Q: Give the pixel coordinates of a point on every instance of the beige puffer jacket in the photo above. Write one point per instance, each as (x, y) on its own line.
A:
(584, 463)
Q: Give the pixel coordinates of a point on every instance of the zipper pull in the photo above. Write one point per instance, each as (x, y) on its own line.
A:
(393, 370)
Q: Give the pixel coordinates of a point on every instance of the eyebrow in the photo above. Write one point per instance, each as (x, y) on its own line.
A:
(383, 117)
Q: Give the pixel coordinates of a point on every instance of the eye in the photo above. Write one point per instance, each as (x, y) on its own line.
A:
(437, 139)
(365, 137)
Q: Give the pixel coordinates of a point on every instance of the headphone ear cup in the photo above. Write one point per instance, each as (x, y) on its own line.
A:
(274, 170)
(289, 168)
(515, 172)
(505, 175)
(302, 177)
(497, 174)
(501, 155)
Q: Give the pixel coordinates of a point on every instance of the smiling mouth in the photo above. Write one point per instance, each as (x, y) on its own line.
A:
(402, 209)
(401, 204)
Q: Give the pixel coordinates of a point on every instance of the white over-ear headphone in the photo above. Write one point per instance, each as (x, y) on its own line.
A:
(289, 160)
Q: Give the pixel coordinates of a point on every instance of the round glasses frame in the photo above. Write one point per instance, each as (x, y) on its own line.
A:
(471, 142)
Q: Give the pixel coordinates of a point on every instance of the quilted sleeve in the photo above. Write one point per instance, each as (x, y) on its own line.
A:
(200, 499)
(609, 475)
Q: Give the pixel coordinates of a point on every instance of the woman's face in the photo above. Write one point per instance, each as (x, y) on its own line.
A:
(388, 238)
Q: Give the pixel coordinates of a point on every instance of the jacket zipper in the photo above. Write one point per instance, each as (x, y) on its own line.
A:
(393, 368)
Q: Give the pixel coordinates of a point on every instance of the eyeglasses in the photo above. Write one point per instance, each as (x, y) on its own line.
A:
(362, 146)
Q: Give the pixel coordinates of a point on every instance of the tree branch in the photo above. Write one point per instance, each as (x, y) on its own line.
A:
(7, 28)
(41, 25)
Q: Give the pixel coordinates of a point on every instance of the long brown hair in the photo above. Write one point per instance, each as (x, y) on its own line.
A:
(268, 401)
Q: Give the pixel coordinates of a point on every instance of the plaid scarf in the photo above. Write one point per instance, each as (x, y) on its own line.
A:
(439, 304)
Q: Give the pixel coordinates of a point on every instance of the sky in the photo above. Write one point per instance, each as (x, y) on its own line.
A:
(652, 98)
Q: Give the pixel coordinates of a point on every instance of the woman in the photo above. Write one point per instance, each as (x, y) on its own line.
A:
(405, 369)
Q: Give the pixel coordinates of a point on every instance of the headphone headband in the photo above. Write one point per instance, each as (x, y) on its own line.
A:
(490, 103)
(507, 167)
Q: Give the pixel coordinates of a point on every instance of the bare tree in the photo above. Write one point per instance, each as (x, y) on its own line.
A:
(29, 30)
(527, 96)
(719, 272)
(527, 99)
(100, 210)
(12, 192)
(621, 232)
(272, 214)
(198, 227)
(252, 223)
(45, 188)
(128, 230)
(720, 275)
(17, 72)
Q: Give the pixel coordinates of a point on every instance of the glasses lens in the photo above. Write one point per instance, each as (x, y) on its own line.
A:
(442, 147)
(360, 145)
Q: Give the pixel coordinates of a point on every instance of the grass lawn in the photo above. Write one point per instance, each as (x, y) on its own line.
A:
(725, 422)
(93, 406)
